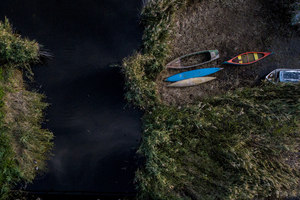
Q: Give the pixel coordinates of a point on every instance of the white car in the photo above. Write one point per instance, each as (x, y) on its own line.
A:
(284, 75)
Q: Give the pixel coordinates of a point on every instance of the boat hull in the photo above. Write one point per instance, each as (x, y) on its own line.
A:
(248, 58)
(193, 74)
(191, 81)
(177, 63)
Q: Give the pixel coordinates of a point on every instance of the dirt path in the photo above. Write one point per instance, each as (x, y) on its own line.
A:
(232, 28)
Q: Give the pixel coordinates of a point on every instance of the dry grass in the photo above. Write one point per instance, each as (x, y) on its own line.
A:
(232, 27)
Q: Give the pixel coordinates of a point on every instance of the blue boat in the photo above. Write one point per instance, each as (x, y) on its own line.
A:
(193, 74)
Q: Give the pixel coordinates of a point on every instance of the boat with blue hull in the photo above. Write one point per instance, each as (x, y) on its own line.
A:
(193, 74)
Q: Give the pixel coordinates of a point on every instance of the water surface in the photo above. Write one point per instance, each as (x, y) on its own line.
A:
(95, 137)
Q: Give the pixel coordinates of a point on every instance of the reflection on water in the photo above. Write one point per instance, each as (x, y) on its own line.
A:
(95, 136)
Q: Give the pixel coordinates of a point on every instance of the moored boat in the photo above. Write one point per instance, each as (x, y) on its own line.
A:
(194, 59)
(192, 74)
(191, 81)
(284, 75)
(248, 58)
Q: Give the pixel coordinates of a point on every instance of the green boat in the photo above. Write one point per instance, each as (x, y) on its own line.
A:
(194, 59)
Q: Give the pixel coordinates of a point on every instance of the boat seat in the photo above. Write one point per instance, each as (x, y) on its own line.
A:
(251, 57)
(244, 59)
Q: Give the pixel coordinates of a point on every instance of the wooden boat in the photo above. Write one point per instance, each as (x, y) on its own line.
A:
(194, 59)
(193, 74)
(284, 75)
(191, 81)
(247, 58)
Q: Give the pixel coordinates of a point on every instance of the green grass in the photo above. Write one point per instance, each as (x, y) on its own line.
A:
(22, 139)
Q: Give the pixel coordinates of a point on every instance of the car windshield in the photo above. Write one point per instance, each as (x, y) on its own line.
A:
(287, 76)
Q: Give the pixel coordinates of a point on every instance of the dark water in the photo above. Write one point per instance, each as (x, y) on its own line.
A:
(95, 137)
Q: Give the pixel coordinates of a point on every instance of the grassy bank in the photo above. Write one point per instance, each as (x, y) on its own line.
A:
(242, 143)
(24, 144)
(141, 69)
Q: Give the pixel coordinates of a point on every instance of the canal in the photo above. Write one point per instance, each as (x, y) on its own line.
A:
(95, 134)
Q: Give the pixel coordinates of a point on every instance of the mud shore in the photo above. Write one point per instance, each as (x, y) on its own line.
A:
(232, 28)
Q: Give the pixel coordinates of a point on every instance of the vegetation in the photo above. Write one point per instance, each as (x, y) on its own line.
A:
(229, 147)
(15, 50)
(239, 145)
(140, 69)
(24, 144)
(156, 17)
(140, 89)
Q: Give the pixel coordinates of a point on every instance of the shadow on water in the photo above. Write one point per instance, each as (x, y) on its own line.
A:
(95, 137)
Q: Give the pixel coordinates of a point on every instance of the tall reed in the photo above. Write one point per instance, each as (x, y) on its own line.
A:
(242, 145)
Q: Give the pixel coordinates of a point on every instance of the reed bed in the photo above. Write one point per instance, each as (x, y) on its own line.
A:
(24, 144)
(242, 145)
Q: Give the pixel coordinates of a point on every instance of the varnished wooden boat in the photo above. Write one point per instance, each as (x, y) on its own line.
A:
(195, 59)
(284, 75)
(191, 81)
(248, 58)
(192, 74)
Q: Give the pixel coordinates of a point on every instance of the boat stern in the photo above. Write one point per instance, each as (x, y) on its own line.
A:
(214, 54)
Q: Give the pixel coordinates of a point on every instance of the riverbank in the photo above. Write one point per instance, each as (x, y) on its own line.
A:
(24, 144)
(222, 139)
(232, 28)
